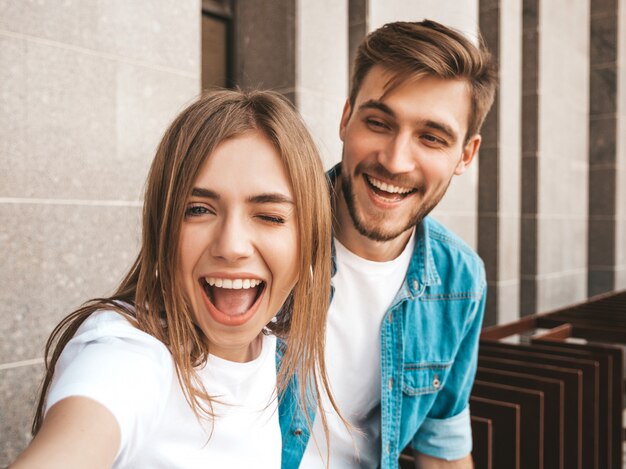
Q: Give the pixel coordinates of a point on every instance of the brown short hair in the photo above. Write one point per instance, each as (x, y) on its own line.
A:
(427, 48)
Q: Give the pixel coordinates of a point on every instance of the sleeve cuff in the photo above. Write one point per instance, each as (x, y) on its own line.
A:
(447, 439)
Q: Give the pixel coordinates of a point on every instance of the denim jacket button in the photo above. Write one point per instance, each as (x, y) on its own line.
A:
(390, 383)
(436, 382)
(416, 285)
(297, 432)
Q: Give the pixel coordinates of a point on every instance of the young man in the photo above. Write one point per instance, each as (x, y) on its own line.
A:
(409, 295)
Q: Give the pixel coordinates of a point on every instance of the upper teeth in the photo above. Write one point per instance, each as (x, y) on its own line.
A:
(383, 186)
(233, 283)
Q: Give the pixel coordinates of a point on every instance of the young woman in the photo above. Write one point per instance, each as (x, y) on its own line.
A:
(177, 368)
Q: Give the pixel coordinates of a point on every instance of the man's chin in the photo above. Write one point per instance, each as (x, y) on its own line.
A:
(377, 231)
(376, 224)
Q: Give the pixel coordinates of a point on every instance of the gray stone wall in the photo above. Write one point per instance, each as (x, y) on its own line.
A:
(87, 88)
(86, 91)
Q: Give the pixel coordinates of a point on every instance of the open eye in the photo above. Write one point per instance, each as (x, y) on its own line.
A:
(197, 210)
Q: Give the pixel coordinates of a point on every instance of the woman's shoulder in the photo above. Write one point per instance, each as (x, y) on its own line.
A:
(113, 362)
(109, 326)
(108, 349)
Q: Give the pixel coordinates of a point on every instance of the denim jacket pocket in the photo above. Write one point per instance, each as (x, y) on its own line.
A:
(424, 378)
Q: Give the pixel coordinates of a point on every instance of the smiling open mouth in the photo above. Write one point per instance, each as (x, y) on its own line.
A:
(232, 297)
(387, 191)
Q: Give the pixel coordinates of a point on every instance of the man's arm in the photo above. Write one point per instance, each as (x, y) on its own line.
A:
(444, 437)
(423, 461)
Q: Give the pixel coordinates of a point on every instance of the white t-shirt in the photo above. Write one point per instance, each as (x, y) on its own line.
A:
(364, 291)
(132, 374)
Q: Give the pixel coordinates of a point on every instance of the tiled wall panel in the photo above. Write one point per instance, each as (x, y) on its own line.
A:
(555, 168)
(86, 91)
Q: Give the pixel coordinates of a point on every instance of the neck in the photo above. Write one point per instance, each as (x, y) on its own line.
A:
(362, 246)
(240, 354)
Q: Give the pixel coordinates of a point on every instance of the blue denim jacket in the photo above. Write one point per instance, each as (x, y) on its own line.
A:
(429, 346)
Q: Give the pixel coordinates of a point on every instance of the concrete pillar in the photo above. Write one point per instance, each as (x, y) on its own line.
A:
(358, 18)
(499, 163)
(322, 71)
(620, 164)
(300, 49)
(460, 15)
(265, 45)
(555, 162)
(603, 121)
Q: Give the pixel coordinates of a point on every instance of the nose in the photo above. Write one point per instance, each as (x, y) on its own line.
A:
(398, 156)
(232, 240)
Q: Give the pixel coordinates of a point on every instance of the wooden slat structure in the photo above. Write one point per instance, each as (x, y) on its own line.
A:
(549, 390)
(574, 355)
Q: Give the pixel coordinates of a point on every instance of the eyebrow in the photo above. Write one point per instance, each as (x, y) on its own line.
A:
(270, 198)
(205, 193)
(431, 124)
(265, 198)
(378, 105)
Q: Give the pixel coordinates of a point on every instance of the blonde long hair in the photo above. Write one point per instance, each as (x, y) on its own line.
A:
(151, 287)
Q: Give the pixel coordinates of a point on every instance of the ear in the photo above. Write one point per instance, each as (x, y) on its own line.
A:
(469, 152)
(345, 117)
